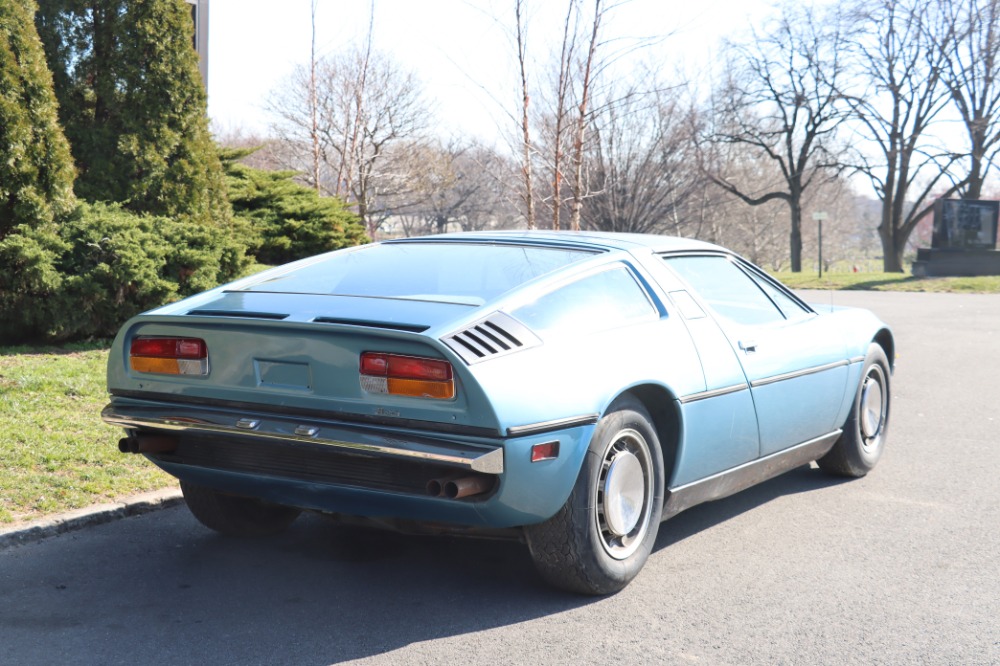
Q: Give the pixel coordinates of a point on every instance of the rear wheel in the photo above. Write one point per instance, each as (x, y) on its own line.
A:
(860, 446)
(601, 537)
(236, 516)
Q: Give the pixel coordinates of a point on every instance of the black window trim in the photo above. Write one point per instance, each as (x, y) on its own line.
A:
(752, 272)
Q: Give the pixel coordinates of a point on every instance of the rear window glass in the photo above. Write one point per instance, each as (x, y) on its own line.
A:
(463, 273)
(608, 299)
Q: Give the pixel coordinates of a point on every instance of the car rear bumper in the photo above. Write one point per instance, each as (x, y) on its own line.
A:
(354, 469)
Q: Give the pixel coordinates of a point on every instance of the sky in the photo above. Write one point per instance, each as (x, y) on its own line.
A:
(460, 49)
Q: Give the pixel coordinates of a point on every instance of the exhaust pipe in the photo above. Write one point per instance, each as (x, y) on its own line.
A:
(435, 487)
(147, 444)
(466, 486)
(457, 487)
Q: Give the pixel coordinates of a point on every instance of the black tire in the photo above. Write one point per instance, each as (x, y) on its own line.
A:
(237, 516)
(593, 545)
(860, 446)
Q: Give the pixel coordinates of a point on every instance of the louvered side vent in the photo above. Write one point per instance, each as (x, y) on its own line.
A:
(491, 337)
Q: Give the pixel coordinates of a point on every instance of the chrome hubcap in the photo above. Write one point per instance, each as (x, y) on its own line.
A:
(624, 494)
(873, 406)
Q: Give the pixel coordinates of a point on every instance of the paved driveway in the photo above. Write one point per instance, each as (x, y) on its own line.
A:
(900, 567)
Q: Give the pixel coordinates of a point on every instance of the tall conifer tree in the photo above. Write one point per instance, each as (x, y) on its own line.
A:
(36, 173)
(133, 105)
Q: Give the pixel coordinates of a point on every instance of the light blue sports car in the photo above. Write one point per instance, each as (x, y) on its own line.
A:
(569, 389)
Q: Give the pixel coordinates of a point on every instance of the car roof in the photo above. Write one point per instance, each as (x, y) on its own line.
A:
(603, 240)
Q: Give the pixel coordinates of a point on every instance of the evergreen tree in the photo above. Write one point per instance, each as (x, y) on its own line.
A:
(36, 173)
(284, 220)
(133, 105)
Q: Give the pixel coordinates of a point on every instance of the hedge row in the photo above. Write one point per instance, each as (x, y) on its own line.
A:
(84, 277)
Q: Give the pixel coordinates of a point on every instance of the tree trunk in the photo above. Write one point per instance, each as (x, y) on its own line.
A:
(581, 126)
(892, 261)
(795, 234)
(892, 251)
(314, 123)
(974, 190)
(795, 238)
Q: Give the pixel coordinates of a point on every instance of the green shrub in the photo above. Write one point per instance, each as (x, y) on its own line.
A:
(284, 220)
(36, 171)
(133, 106)
(102, 266)
(29, 280)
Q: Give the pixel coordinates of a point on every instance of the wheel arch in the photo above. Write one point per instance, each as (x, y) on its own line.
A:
(663, 408)
(885, 340)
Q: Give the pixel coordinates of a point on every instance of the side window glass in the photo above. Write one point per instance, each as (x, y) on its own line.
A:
(789, 307)
(728, 290)
(688, 306)
(605, 300)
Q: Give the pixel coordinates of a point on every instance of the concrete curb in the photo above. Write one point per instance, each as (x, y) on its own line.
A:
(93, 515)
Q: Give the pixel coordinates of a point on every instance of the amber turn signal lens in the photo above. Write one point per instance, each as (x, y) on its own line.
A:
(421, 389)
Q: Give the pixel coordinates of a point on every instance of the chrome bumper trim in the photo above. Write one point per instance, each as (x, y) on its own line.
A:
(195, 421)
(551, 426)
(714, 393)
(798, 373)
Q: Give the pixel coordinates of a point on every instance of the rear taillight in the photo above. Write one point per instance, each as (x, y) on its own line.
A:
(169, 356)
(413, 376)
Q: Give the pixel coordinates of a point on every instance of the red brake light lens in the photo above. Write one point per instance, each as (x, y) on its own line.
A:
(413, 376)
(373, 364)
(405, 367)
(169, 347)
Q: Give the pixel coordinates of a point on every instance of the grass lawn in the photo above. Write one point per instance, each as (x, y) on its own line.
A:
(55, 452)
(989, 284)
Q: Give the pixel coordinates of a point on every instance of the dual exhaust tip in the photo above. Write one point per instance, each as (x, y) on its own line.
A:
(459, 486)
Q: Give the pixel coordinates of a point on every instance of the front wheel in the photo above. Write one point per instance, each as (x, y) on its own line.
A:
(236, 516)
(601, 537)
(860, 446)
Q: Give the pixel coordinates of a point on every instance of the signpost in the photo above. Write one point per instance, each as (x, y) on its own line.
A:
(819, 216)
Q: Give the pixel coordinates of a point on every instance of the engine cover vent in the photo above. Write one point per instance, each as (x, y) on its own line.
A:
(490, 337)
(205, 312)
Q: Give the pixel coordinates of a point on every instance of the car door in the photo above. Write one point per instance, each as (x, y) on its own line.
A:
(793, 360)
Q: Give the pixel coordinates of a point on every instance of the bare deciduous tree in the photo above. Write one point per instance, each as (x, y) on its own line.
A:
(641, 163)
(469, 188)
(368, 107)
(313, 106)
(526, 149)
(970, 40)
(567, 53)
(782, 99)
(582, 117)
(900, 62)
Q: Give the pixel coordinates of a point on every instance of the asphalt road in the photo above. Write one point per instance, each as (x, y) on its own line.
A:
(901, 567)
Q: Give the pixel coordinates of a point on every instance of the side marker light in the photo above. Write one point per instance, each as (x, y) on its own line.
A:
(546, 451)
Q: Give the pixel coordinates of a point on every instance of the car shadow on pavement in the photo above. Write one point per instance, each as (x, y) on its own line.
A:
(161, 589)
(806, 478)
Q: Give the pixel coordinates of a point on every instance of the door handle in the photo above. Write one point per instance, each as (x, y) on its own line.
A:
(748, 346)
